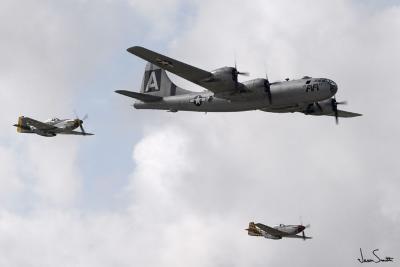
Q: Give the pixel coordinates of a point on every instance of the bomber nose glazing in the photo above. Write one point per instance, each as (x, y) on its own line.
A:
(332, 87)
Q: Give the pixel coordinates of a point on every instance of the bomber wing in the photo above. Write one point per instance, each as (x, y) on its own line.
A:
(345, 114)
(270, 230)
(38, 124)
(181, 69)
(193, 74)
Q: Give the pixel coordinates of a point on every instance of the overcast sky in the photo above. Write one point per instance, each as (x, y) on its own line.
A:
(153, 188)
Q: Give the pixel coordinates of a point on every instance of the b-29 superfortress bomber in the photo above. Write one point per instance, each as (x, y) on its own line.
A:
(224, 93)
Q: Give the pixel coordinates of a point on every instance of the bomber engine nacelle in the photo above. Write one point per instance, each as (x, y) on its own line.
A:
(259, 86)
(228, 78)
(225, 74)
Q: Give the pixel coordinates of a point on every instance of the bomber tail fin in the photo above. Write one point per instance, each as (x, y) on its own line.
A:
(157, 83)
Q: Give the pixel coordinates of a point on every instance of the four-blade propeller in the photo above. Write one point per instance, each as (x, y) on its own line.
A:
(235, 74)
(303, 227)
(267, 88)
(334, 104)
(80, 122)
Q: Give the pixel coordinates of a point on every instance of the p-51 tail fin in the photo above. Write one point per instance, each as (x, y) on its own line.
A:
(22, 126)
(252, 230)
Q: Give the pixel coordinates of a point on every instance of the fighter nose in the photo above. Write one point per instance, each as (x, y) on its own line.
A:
(301, 228)
(77, 122)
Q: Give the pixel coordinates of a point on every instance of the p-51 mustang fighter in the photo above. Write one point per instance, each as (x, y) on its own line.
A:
(51, 127)
(311, 96)
(277, 232)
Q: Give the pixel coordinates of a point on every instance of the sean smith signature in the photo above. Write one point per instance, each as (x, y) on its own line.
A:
(376, 258)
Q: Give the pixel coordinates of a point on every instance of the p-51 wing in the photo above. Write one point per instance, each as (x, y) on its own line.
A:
(74, 133)
(270, 230)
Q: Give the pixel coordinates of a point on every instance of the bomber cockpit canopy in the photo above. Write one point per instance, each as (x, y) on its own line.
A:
(332, 86)
(331, 82)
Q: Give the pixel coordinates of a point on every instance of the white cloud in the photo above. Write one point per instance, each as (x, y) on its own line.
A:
(10, 179)
(158, 170)
(53, 166)
(199, 179)
(161, 15)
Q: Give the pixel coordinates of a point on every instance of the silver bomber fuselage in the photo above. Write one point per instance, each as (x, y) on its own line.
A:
(285, 95)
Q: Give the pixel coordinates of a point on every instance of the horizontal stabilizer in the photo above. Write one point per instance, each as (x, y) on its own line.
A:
(22, 128)
(142, 97)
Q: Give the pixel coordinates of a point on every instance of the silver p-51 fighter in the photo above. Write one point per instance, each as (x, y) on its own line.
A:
(277, 232)
(311, 96)
(51, 127)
